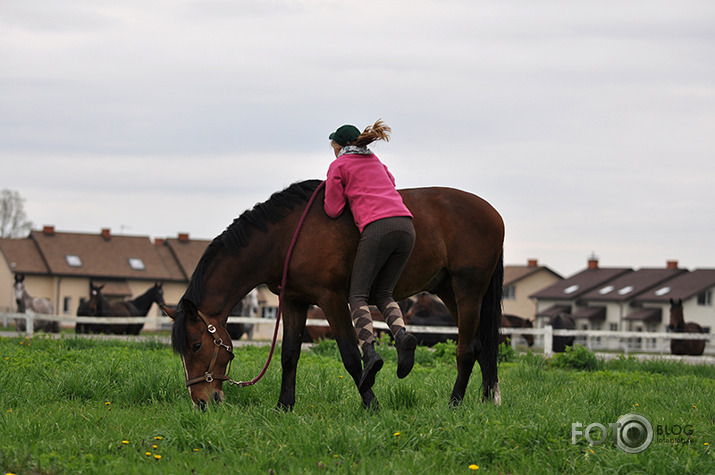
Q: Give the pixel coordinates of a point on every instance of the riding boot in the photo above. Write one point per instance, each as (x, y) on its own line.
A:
(372, 363)
(405, 344)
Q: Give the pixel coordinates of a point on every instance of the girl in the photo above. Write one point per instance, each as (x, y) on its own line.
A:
(358, 178)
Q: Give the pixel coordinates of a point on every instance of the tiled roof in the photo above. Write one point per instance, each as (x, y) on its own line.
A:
(101, 255)
(187, 252)
(514, 274)
(23, 256)
(578, 285)
(683, 286)
(627, 286)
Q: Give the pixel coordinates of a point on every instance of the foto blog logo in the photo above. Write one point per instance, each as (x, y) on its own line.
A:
(632, 433)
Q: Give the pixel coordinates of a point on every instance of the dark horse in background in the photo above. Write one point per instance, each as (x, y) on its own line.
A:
(99, 306)
(678, 324)
(562, 321)
(512, 321)
(33, 304)
(428, 310)
(457, 255)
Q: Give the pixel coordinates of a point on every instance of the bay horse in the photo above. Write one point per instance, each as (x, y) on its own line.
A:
(428, 310)
(512, 321)
(457, 255)
(26, 302)
(99, 306)
(678, 324)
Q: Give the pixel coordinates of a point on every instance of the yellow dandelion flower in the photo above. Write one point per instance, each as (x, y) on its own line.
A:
(637, 404)
(158, 437)
(396, 434)
(157, 456)
(591, 450)
(474, 467)
(154, 446)
(147, 453)
(695, 407)
(196, 450)
(336, 456)
(125, 442)
(706, 444)
(108, 403)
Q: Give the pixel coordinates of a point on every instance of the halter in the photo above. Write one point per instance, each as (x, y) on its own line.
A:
(208, 376)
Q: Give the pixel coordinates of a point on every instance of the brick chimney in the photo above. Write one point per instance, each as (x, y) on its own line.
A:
(671, 265)
(183, 237)
(593, 261)
(158, 242)
(533, 263)
(48, 230)
(107, 234)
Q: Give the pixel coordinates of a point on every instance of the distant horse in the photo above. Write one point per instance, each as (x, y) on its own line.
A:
(512, 321)
(247, 307)
(99, 306)
(428, 310)
(457, 255)
(562, 322)
(37, 305)
(678, 324)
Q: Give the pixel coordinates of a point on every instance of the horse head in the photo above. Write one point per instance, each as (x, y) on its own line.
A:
(158, 293)
(95, 305)
(206, 351)
(19, 288)
(676, 315)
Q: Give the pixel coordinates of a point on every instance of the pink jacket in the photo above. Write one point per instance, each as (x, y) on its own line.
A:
(366, 184)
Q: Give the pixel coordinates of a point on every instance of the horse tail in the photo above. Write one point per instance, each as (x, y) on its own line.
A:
(489, 323)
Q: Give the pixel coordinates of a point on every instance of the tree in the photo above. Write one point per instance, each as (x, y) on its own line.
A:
(13, 220)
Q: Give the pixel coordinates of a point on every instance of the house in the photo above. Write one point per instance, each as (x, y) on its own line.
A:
(60, 265)
(520, 282)
(564, 297)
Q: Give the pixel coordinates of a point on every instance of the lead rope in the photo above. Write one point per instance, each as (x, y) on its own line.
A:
(243, 384)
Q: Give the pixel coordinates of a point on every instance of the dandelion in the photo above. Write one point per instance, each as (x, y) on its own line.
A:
(108, 403)
(196, 450)
(157, 456)
(125, 442)
(592, 451)
(147, 453)
(706, 444)
(158, 437)
(637, 404)
(474, 467)
(396, 434)
(695, 407)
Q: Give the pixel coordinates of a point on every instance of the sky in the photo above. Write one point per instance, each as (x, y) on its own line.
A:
(590, 126)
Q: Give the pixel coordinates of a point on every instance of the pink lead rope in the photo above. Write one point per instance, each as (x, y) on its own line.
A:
(243, 384)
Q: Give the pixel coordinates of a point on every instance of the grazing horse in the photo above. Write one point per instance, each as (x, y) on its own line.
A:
(678, 324)
(562, 322)
(37, 305)
(457, 255)
(512, 321)
(99, 306)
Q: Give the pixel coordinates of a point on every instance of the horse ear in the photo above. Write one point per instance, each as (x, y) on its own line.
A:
(170, 312)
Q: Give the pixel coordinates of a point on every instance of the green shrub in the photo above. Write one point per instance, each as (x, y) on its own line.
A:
(507, 353)
(576, 357)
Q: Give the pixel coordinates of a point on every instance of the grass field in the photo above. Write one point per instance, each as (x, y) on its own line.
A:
(89, 406)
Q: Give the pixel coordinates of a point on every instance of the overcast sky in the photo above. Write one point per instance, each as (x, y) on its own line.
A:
(590, 126)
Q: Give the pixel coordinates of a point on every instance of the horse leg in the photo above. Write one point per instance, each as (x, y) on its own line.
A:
(294, 316)
(336, 311)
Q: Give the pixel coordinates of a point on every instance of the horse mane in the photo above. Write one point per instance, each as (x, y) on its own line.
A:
(236, 236)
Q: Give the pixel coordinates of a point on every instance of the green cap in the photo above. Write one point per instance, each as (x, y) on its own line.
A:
(345, 134)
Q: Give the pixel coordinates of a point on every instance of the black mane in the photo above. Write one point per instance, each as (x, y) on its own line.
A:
(236, 236)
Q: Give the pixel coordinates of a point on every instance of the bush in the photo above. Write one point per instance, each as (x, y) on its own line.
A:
(507, 353)
(576, 357)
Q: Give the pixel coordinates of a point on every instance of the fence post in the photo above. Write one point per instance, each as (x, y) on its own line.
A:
(30, 323)
(548, 340)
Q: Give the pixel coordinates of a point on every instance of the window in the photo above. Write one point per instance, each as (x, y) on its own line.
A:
(66, 305)
(613, 327)
(662, 291)
(705, 298)
(571, 289)
(270, 312)
(510, 292)
(73, 260)
(607, 289)
(626, 290)
(136, 264)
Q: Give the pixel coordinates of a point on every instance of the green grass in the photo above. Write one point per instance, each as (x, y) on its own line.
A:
(91, 406)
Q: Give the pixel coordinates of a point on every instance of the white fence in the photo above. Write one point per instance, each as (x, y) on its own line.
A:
(626, 341)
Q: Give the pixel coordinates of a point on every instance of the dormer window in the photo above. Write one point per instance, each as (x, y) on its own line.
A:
(571, 289)
(136, 263)
(73, 260)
